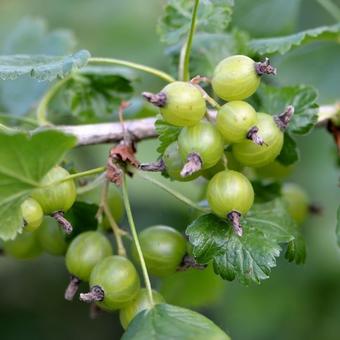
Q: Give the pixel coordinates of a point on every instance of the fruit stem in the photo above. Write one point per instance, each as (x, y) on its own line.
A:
(27, 120)
(157, 166)
(234, 218)
(192, 165)
(282, 120)
(95, 294)
(184, 60)
(264, 67)
(72, 288)
(252, 135)
(136, 240)
(140, 67)
(117, 232)
(157, 99)
(43, 104)
(63, 222)
(195, 81)
(188, 262)
(173, 192)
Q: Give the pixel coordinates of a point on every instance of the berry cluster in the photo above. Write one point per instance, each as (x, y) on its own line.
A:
(202, 148)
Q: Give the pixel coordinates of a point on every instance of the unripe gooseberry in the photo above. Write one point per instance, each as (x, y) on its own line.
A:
(140, 303)
(32, 214)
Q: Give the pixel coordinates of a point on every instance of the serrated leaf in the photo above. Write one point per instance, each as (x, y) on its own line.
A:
(296, 250)
(41, 67)
(274, 100)
(167, 134)
(337, 230)
(82, 216)
(207, 236)
(212, 17)
(31, 36)
(165, 321)
(286, 43)
(94, 94)
(24, 160)
(289, 153)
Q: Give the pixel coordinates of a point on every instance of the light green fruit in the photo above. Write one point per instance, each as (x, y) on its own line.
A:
(230, 191)
(185, 105)
(24, 246)
(58, 197)
(32, 214)
(254, 155)
(235, 78)
(234, 120)
(297, 201)
(119, 280)
(140, 303)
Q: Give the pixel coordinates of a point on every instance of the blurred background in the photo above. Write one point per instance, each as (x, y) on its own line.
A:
(297, 301)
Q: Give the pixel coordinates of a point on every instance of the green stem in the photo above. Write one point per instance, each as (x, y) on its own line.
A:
(331, 8)
(136, 241)
(19, 118)
(173, 192)
(91, 185)
(147, 69)
(43, 105)
(185, 53)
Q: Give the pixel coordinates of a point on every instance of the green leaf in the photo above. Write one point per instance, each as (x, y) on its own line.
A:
(338, 227)
(284, 44)
(41, 67)
(24, 160)
(296, 250)
(289, 153)
(266, 191)
(31, 36)
(189, 288)
(274, 100)
(207, 236)
(82, 216)
(212, 17)
(94, 94)
(167, 134)
(165, 321)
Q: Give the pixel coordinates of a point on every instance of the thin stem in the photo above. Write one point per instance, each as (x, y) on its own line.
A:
(43, 105)
(91, 185)
(331, 8)
(195, 81)
(185, 59)
(19, 119)
(117, 232)
(173, 192)
(147, 69)
(136, 241)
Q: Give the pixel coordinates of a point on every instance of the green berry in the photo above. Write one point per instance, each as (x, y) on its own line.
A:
(24, 246)
(32, 214)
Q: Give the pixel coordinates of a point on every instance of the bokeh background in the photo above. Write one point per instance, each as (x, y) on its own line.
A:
(297, 302)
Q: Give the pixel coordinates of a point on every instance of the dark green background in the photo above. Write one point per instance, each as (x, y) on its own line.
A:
(297, 302)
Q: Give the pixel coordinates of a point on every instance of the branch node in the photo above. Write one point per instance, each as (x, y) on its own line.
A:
(253, 136)
(94, 295)
(157, 99)
(264, 67)
(193, 164)
(282, 120)
(234, 218)
(63, 222)
(72, 288)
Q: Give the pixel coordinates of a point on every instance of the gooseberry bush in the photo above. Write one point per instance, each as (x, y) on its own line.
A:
(220, 120)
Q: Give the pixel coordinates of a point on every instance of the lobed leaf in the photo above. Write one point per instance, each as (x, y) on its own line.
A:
(24, 160)
(165, 321)
(286, 43)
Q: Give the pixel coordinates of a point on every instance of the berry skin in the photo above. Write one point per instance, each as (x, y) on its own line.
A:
(85, 251)
(297, 202)
(140, 303)
(234, 121)
(32, 214)
(253, 155)
(118, 279)
(51, 237)
(235, 78)
(230, 191)
(204, 140)
(163, 249)
(24, 246)
(58, 197)
(184, 106)
(174, 164)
